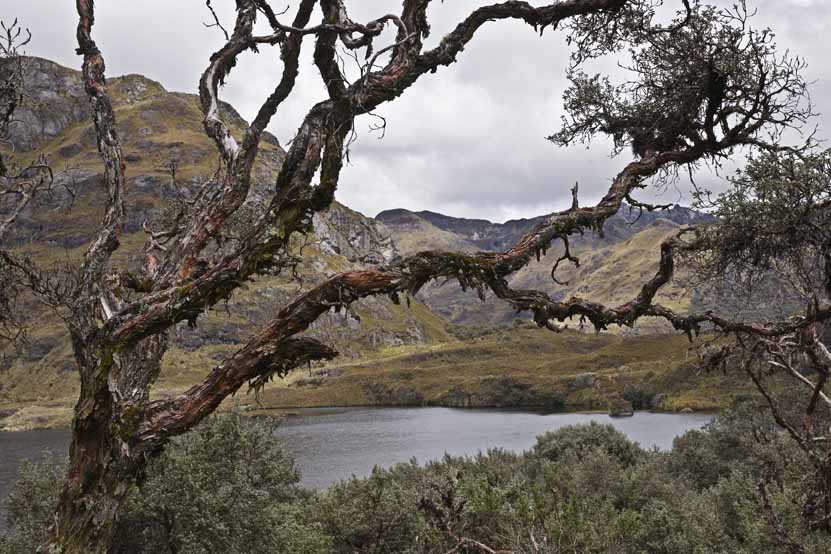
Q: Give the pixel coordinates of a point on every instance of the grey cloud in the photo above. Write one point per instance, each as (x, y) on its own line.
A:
(467, 141)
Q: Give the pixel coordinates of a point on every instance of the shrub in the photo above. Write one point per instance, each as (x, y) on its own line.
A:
(229, 487)
(31, 504)
(639, 398)
(582, 440)
(378, 514)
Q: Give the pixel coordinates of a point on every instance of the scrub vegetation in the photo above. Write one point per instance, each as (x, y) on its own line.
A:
(736, 486)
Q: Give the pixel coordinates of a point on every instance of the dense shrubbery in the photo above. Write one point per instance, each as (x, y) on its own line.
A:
(229, 487)
(232, 488)
(31, 505)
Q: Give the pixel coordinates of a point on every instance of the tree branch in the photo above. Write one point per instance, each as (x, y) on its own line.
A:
(106, 241)
(255, 363)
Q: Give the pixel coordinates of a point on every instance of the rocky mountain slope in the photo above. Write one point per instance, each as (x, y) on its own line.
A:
(613, 266)
(161, 130)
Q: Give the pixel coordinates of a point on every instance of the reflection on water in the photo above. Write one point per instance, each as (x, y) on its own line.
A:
(335, 443)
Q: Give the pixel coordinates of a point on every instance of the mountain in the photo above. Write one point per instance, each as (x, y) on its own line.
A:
(446, 348)
(159, 129)
(613, 266)
(481, 234)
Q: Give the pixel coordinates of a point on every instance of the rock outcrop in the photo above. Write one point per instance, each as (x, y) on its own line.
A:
(347, 233)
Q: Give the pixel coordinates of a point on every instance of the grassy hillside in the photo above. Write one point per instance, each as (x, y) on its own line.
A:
(612, 270)
(519, 366)
(516, 366)
(158, 128)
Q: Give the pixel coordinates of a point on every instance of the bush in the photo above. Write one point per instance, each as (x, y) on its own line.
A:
(378, 514)
(581, 441)
(230, 487)
(31, 504)
(639, 398)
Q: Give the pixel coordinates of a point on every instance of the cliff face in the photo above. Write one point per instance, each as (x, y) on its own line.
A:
(347, 233)
(158, 130)
(55, 101)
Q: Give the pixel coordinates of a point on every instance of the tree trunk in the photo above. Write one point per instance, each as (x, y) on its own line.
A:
(100, 473)
(86, 514)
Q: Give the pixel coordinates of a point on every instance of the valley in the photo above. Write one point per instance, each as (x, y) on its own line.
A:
(443, 348)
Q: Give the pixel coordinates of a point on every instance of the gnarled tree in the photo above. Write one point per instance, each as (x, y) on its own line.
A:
(775, 221)
(702, 86)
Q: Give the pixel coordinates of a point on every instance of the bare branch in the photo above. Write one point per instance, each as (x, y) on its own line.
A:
(217, 22)
(257, 362)
(106, 241)
(465, 544)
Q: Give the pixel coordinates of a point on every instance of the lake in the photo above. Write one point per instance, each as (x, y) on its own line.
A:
(331, 444)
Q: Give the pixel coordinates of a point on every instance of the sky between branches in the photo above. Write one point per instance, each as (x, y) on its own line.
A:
(467, 141)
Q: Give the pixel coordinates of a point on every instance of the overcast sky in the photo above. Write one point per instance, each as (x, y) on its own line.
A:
(467, 141)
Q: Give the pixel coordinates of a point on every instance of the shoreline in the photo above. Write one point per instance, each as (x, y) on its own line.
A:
(35, 423)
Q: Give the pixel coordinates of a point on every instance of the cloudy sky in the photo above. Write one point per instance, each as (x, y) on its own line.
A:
(467, 141)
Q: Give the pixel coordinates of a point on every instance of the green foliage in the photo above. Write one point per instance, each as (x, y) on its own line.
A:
(587, 489)
(582, 441)
(376, 514)
(31, 505)
(639, 398)
(702, 458)
(774, 218)
(231, 487)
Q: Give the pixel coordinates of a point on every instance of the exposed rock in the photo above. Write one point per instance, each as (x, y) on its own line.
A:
(383, 337)
(55, 101)
(585, 380)
(347, 233)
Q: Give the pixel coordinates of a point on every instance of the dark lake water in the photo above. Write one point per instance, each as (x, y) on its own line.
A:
(335, 443)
